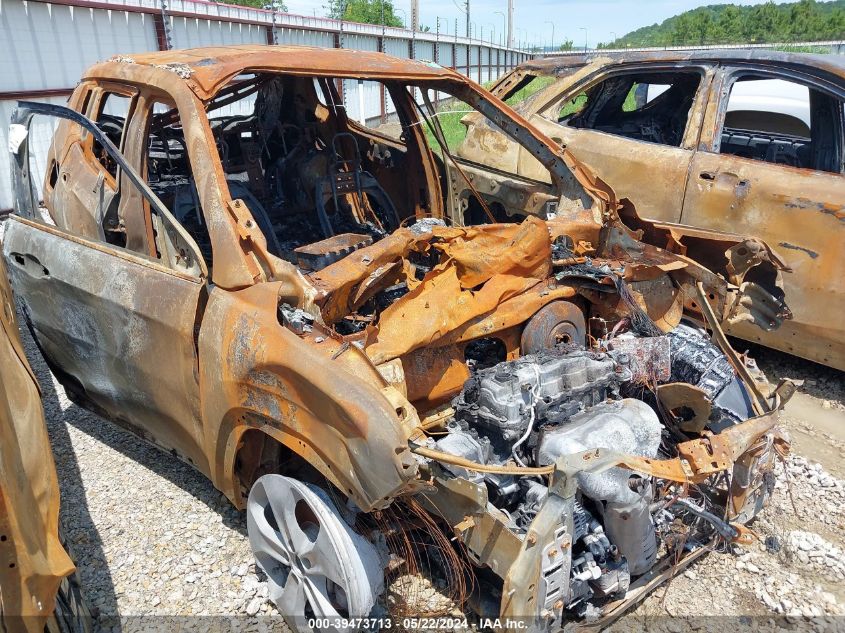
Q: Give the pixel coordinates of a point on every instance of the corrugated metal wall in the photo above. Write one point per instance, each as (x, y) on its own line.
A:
(302, 37)
(194, 32)
(47, 47)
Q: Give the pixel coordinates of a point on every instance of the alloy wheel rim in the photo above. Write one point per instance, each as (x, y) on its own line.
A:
(316, 566)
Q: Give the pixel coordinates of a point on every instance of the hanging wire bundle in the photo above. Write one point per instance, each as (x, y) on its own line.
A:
(420, 549)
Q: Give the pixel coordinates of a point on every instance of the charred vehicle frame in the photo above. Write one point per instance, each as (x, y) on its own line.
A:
(749, 141)
(538, 401)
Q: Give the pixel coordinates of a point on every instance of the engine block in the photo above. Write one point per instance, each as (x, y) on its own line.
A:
(552, 385)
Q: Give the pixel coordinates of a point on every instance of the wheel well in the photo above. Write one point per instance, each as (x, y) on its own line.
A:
(260, 454)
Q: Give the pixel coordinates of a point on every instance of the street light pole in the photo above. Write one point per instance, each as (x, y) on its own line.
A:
(584, 28)
(553, 32)
(467, 5)
(503, 21)
(510, 23)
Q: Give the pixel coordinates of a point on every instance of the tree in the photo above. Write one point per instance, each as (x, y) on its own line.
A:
(567, 45)
(802, 20)
(729, 25)
(765, 23)
(683, 31)
(364, 11)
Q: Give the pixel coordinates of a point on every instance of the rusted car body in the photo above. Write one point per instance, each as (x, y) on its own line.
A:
(688, 138)
(249, 347)
(34, 565)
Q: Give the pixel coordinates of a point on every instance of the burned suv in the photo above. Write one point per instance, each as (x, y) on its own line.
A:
(319, 311)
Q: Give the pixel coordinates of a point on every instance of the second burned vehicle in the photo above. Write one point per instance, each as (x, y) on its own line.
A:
(294, 302)
(749, 141)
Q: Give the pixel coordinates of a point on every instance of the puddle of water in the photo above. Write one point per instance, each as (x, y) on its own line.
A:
(818, 448)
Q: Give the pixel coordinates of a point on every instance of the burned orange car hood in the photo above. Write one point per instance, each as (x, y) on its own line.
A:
(488, 277)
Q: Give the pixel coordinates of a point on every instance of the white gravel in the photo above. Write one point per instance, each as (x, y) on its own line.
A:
(153, 537)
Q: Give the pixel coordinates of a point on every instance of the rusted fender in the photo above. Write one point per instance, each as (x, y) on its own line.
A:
(32, 559)
(316, 394)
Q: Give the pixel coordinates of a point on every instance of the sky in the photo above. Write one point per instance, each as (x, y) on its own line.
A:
(600, 18)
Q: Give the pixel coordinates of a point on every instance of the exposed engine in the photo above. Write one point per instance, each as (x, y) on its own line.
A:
(566, 400)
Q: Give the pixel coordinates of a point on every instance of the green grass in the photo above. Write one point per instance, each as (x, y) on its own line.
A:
(533, 87)
(573, 105)
(630, 99)
(818, 50)
(449, 115)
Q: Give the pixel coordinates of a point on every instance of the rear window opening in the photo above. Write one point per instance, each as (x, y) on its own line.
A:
(782, 122)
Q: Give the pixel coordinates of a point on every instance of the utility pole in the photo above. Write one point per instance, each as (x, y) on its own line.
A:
(510, 23)
(467, 5)
(415, 15)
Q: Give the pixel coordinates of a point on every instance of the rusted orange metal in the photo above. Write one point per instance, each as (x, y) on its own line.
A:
(240, 365)
(797, 211)
(32, 559)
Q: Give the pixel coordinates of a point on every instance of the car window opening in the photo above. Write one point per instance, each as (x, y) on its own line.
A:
(782, 122)
(306, 165)
(445, 130)
(650, 107)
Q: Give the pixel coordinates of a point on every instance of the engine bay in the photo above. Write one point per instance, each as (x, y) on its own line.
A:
(567, 399)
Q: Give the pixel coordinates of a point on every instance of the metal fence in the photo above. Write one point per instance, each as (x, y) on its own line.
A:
(50, 44)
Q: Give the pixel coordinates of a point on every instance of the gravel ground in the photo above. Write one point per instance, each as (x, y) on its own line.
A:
(153, 537)
(150, 535)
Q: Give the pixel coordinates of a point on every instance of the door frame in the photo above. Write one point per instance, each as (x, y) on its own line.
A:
(690, 140)
(23, 185)
(724, 79)
(796, 337)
